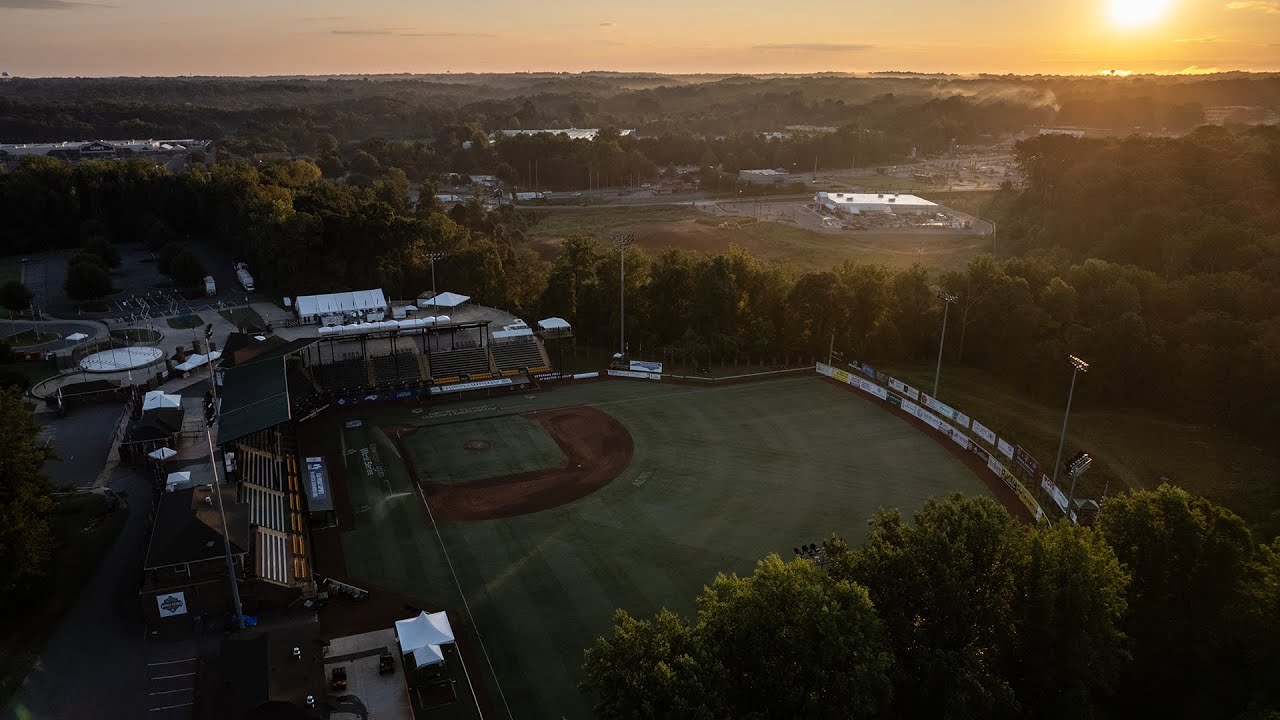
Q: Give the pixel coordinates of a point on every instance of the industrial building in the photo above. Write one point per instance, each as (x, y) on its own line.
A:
(870, 203)
(768, 176)
(106, 149)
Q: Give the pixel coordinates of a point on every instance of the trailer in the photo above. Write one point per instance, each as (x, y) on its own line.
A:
(210, 287)
(243, 276)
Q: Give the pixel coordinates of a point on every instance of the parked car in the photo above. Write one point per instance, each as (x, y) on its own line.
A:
(338, 679)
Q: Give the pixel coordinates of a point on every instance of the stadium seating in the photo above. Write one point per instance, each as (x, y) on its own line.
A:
(401, 367)
(453, 363)
(343, 375)
(523, 353)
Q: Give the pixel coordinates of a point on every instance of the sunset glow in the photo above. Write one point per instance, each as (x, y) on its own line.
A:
(1134, 13)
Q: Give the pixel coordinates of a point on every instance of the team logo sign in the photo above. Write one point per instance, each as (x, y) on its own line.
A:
(172, 604)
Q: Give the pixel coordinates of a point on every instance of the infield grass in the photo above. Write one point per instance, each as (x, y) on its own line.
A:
(720, 478)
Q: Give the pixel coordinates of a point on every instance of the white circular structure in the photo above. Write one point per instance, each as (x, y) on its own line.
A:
(120, 359)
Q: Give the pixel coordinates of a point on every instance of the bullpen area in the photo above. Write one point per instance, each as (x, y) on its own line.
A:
(553, 508)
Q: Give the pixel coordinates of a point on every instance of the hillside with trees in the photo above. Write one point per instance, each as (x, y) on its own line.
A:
(1167, 609)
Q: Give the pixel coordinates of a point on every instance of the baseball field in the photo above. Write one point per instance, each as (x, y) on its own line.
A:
(553, 508)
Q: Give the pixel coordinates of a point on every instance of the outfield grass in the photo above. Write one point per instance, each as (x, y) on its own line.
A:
(1131, 448)
(720, 478)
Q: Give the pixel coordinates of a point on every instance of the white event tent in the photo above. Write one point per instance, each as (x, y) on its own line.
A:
(311, 308)
(443, 300)
(159, 399)
(163, 453)
(422, 637)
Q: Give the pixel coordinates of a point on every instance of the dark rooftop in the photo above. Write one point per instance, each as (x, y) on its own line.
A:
(187, 529)
(254, 397)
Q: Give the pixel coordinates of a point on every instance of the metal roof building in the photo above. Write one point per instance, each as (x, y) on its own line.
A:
(860, 203)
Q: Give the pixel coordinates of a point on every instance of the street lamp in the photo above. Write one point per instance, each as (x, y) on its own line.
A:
(622, 242)
(1077, 366)
(947, 299)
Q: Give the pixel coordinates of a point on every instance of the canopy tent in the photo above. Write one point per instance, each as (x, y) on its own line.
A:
(427, 655)
(553, 323)
(310, 307)
(177, 480)
(196, 361)
(159, 399)
(163, 453)
(423, 635)
(443, 300)
(76, 337)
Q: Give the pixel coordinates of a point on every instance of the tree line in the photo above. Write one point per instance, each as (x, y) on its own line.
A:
(1167, 609)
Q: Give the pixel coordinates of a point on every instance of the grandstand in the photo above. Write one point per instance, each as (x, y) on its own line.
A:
(400, 368)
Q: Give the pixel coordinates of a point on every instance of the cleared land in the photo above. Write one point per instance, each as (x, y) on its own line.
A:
(718, 478)
(1131, 448)
(658, 227)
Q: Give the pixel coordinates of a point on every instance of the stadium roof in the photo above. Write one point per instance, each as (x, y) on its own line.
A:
(332, 303)
(254, 397)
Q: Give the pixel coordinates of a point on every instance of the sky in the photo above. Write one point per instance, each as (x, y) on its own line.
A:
(290, 37)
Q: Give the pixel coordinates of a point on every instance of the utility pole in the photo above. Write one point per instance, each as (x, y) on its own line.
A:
(1077, 366)
(622, 242)
(946, 298)
(831, 352)
(217, 487)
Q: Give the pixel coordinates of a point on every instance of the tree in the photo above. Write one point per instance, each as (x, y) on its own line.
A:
(649, 669)
(946, 586)
(14, 297)
(87, 281)
(25, 503)
(1192, 604)
(807, 644)
(365, 164)
(103, 248)
(186, 270)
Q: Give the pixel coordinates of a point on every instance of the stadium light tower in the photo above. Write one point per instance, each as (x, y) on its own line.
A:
(947, 299)
(433, 257)
(217, 485)
(622, 242)
(1077, 366)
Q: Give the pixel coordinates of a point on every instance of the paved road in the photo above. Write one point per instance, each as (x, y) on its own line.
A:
(94, 664)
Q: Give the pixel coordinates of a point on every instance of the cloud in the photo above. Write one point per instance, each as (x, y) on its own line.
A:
(813, 47)
(608, 24)
(1199, 40)
(1271, 7)
(361, 32)
(445, 34)
(1197, 70)
(50, 5)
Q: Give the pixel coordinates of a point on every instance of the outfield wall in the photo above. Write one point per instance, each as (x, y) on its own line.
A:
(954, 425)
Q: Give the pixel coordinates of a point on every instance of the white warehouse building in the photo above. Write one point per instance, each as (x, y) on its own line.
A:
(865, 203)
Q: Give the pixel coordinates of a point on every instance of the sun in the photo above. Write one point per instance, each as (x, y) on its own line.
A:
(1136, 13)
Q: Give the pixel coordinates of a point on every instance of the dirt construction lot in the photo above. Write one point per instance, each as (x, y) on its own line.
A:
(677, 483)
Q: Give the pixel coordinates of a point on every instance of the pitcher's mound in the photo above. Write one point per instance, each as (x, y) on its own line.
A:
(476, 445)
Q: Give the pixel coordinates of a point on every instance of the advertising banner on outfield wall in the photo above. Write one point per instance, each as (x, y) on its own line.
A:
(1005, 448)
(825, 369)
(962, 420)
(938, 406)
(983, 432)
(1059, 497)
(869, 371)
(868, 387)
(841, 375)
(636, 375)
(1023, 459)
(649, 366)
(894, 399)
(1024, 495)
(906, 390)
(981, 452)
(476, 385)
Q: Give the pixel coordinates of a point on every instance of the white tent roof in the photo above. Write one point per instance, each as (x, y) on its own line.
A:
(196, 361)
(76, 337)
(332, 303)
(177, 479)
(428, 655)
(508, 334)
(164, 453)
(424, 632)
(444, 300)
(554, 323)
(159, 399)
